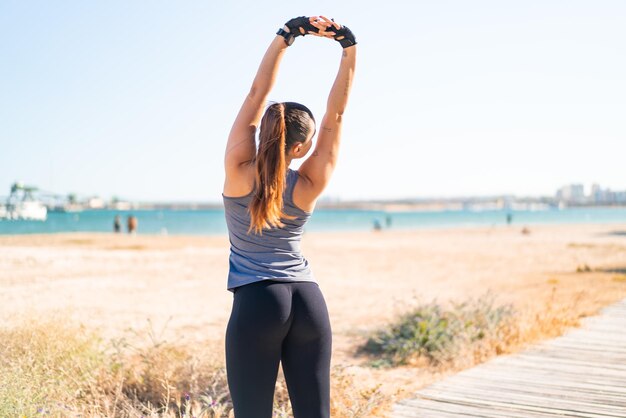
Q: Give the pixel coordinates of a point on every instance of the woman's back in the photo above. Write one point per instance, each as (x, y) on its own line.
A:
(273, 255)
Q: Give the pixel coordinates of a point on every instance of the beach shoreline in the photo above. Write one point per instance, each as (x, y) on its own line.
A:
(212, 222)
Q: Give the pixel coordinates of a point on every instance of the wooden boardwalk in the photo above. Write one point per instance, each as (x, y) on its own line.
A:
(580, 374)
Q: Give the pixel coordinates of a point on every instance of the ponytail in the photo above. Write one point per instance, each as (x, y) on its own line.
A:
(267, 203)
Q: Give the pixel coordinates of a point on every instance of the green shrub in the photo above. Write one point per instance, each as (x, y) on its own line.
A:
(440, 335)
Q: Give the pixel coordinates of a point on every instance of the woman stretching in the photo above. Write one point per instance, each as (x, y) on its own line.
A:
(279, 313)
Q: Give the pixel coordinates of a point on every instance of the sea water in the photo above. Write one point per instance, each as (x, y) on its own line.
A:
(212, 221)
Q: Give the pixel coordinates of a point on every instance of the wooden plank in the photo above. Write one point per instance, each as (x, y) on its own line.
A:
(528, 384)
(550, 374)
(433, 408)
(580, 374)
(519, 406)
(551, 391)
(518, 396)
(587, 375)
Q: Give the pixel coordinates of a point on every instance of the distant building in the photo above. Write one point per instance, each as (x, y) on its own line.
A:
(119, 205)
(597, 194)
(572, 193)
(607, 196)
(95, 202)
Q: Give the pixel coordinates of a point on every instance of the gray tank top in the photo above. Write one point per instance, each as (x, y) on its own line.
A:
(274, 255)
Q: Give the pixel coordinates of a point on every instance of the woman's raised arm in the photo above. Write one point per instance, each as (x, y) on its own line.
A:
(318, 167)
(241, 148)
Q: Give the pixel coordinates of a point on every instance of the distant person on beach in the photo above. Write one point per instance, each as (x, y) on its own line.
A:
(279, 313)
(132, 224)
(388, 221)
(509, 218)
(117, 224)
(377, 225)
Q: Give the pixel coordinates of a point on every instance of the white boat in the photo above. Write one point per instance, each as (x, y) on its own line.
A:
(22, 205)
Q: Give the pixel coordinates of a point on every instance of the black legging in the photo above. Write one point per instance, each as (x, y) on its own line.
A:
(272, 322)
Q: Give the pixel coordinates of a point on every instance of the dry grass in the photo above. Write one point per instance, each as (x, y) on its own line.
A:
(50, 368)
(548, 322)
(128, 248)
(46, 368)
(620, 278)
(348, 400)
(57, 369)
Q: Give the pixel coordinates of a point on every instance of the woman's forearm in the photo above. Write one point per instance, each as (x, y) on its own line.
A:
(241, 147)
(338, 97)
(268, 69)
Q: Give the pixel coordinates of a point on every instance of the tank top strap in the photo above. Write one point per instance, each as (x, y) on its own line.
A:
(292, 177)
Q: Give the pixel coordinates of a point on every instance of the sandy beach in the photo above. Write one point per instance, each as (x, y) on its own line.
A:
(117, 284)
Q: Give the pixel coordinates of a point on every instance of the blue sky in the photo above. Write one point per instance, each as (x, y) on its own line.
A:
(135, 99)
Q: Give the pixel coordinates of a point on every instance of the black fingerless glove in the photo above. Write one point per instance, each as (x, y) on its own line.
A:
(294, 26)
(348, 37)
(296, 23)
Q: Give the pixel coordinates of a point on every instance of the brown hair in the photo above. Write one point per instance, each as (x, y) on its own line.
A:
(282, 125)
